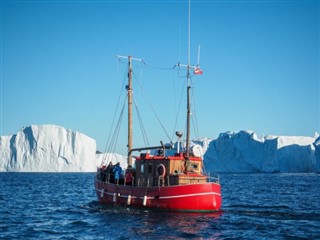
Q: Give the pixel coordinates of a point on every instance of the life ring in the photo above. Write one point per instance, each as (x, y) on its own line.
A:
(161, 170)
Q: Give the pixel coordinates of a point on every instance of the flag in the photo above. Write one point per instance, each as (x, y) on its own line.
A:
(197, 70)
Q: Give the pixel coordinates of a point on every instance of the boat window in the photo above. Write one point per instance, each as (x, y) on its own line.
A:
(150, 168)
(142, 168)
(195, 166)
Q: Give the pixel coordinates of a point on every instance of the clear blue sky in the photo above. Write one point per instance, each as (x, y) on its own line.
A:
(260, 61)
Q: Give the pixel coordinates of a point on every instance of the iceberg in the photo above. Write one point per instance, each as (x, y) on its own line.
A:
(49, 148)
(244, 151)
(316, 145)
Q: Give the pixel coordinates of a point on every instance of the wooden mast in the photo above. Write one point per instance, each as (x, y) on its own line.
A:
(130, 96)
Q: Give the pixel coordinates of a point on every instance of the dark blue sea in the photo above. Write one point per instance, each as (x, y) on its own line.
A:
(64, 206)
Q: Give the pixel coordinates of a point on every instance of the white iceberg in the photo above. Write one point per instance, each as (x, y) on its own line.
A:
(48, 148)
(244, 151)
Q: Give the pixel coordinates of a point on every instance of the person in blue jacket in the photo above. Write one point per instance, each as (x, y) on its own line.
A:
(117, 172)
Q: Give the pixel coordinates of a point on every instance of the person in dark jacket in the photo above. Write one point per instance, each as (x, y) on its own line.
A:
(109, 168)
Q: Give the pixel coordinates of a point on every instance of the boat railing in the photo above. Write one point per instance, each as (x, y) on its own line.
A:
(161, 180)
(144, 181)
(214, 179)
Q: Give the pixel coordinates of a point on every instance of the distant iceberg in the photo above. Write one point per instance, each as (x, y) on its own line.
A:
(244, 151)
(51, 148)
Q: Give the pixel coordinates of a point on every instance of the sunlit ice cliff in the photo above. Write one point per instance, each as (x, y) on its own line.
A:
(244, 151)
(50, 148)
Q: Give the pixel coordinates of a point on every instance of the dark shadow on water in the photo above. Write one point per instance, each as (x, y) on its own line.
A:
(152, 223)
(96, 206)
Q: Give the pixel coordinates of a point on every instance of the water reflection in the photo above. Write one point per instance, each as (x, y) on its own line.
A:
(185, 225)
(157, 224)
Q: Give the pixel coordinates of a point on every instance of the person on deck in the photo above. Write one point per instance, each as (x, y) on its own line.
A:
(109, 168)
(129, 175)
(117, 172)
(107, 171)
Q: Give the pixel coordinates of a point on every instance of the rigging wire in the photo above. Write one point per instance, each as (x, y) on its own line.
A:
(115, 114)
(194, 115)
(148, 66)
(114, 139)
(179, 107)
(116, 109)
(144, 134)
(194, 128)
(181, 76)
(152, 108)
(145, 65)
(117, 130)
(194, 119)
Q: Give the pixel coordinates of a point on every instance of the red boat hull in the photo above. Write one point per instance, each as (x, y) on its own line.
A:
(197, 197)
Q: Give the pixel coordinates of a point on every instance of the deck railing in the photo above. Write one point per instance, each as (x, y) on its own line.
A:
(149, 181)
(214, 179)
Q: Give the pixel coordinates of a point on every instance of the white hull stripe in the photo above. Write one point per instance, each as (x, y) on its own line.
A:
(191, 195)
(166, 197)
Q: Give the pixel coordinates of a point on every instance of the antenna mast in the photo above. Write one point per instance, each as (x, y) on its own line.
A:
(188, 92)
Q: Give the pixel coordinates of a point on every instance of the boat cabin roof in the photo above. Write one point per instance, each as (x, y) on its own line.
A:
(176, 157)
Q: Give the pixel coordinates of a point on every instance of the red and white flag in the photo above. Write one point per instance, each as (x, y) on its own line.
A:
(197, 70)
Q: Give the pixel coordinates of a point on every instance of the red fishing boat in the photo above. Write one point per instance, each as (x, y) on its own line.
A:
(171, 178)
